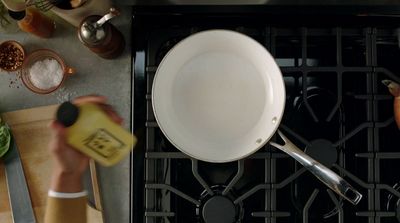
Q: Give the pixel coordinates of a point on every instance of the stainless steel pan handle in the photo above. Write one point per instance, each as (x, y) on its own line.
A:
(324, 174)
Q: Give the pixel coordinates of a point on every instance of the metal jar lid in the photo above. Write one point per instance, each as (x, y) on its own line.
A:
(89, 32)
(93, 28)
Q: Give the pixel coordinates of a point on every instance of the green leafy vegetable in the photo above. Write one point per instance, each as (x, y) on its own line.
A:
(5, 138)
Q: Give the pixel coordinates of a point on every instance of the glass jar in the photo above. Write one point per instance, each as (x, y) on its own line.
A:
(34, 22)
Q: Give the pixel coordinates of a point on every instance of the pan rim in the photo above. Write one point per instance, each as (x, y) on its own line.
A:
(251, 151)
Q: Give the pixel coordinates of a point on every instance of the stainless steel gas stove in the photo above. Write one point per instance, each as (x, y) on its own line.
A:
(336, 109)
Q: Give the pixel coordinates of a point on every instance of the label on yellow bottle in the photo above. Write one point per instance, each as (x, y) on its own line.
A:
(95, 135)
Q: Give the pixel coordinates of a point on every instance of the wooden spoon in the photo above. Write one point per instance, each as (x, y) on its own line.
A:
(394, 89)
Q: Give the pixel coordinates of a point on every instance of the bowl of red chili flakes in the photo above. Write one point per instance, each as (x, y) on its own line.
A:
(12, 55)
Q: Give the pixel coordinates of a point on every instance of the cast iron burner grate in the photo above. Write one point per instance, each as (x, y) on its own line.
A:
(336, 109)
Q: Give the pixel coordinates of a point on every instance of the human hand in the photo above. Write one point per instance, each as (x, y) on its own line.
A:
(69, 163)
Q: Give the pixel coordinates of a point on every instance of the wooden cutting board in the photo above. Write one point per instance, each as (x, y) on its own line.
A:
(29, 127)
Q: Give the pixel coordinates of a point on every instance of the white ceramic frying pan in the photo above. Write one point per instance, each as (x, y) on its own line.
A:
(219, 96)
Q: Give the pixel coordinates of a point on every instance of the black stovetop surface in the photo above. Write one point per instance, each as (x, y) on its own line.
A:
(336, 106)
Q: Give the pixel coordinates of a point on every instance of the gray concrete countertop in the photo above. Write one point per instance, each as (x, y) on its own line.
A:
(95, 75)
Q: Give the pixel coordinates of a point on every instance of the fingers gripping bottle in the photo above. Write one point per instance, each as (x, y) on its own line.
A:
(90, 130)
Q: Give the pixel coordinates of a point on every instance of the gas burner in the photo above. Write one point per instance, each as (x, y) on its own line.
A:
(316, 111)
(323, 151)
(316, 102)
(315, 108)
(394, 202)
(322, 208)
(219, 208)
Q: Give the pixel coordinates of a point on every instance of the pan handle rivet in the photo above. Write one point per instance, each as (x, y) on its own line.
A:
(259, 141)
(274, 120)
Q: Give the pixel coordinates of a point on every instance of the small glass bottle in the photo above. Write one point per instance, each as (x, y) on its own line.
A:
(34, 22)
(90, 130)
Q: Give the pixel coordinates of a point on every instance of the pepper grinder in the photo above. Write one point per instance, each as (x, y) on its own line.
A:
(100, 36)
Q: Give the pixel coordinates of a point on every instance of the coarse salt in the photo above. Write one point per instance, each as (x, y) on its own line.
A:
(46, 74)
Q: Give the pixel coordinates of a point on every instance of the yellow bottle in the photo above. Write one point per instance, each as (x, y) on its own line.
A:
(92, 132)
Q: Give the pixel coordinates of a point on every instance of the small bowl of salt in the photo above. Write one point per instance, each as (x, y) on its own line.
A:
(44, 71)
